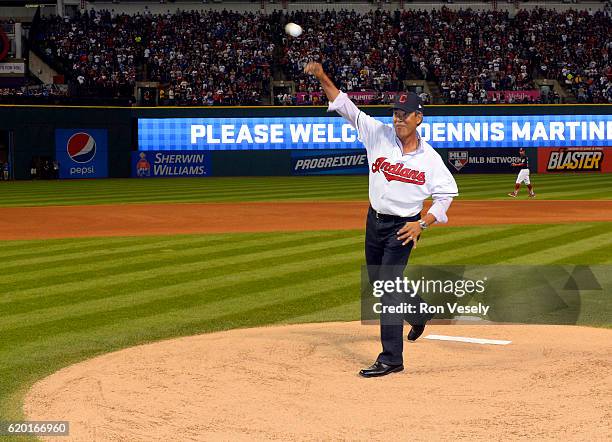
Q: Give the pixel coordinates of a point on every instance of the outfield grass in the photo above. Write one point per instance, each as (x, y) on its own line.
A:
(64, 301)
(315, 188)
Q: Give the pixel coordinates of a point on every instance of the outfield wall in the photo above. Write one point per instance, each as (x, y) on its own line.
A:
(104, 141)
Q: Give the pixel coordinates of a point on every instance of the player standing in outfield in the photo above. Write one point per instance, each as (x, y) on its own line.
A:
(404, 171)
(523, 175)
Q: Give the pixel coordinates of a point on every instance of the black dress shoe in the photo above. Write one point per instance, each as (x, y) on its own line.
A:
(417, 330)
(380, 369)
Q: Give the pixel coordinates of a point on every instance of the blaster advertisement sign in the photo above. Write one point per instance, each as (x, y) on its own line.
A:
(82, 153)
(484, 160)
(575, 159)
(170, 164)
(329, 162)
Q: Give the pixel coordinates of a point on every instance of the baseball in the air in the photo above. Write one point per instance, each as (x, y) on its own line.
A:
(293, 29)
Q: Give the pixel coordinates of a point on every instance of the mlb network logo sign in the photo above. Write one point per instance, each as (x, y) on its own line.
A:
(82, 153)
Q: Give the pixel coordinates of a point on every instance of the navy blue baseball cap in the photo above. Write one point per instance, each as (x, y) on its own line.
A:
(408, 102)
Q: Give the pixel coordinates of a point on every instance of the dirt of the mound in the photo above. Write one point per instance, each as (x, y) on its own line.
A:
(300, 383)
(162, 219)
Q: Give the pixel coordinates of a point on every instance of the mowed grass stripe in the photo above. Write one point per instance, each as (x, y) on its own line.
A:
(151, 253)
(237, 185)
(171, 320)
(445, 249)
(284, 285)
(18, 249)
(132, 282)
(560, 187)
(203, 187)
(580, 241)
(21, 304)
(101, 258)
(179, 295)
(572, 193)
(57, 276)
(515, 246)
(97, 249)
(238, 188)
(598, 195)
(178, 269)
(601, 255)
(262, 188)
(472, 182)
(272, 195)
(232, 263)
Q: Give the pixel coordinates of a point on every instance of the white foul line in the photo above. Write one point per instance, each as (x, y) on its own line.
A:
(470, 340)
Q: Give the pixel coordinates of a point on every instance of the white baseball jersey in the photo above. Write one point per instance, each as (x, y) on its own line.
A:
(399, 183)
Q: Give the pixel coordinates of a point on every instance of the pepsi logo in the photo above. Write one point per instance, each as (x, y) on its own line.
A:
(81, 147)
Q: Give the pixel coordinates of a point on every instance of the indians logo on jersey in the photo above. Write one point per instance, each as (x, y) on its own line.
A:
(397, 172)
(81, 147)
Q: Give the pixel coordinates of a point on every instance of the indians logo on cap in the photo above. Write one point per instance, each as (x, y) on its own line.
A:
(81, 147)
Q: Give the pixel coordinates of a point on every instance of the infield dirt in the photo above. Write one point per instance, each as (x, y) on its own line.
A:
(300, 382)
(164, 219)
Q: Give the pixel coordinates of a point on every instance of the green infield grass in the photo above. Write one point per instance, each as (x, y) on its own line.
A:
(63, 301)
(314, 188)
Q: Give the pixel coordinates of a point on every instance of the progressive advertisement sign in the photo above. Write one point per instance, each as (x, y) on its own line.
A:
(333, 132)
(329, 162)
(82, 153)
(575, 159)
(171, 164)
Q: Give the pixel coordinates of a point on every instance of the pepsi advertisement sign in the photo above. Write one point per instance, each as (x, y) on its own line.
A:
(329, 162)
(333, 132)
(82, 153)
(171, 164)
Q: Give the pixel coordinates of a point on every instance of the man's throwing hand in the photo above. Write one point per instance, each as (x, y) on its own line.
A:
(314, 68)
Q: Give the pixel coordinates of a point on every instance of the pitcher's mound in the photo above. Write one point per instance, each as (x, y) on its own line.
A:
(300, 382)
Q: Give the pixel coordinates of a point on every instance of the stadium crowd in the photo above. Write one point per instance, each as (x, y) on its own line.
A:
(467, 53)
(201, 58)
(211, 58)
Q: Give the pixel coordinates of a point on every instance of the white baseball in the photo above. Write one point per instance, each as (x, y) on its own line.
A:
(293, 29)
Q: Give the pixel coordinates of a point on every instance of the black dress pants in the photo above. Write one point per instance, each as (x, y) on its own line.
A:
(386, 259)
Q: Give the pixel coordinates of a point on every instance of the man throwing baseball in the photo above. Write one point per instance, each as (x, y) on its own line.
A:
(404, 171)
(523, 175)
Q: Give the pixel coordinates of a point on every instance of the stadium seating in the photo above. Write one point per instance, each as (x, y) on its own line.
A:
(214, 58)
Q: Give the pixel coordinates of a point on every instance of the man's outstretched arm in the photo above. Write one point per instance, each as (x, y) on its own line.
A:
(341, 103)
(330, 89)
